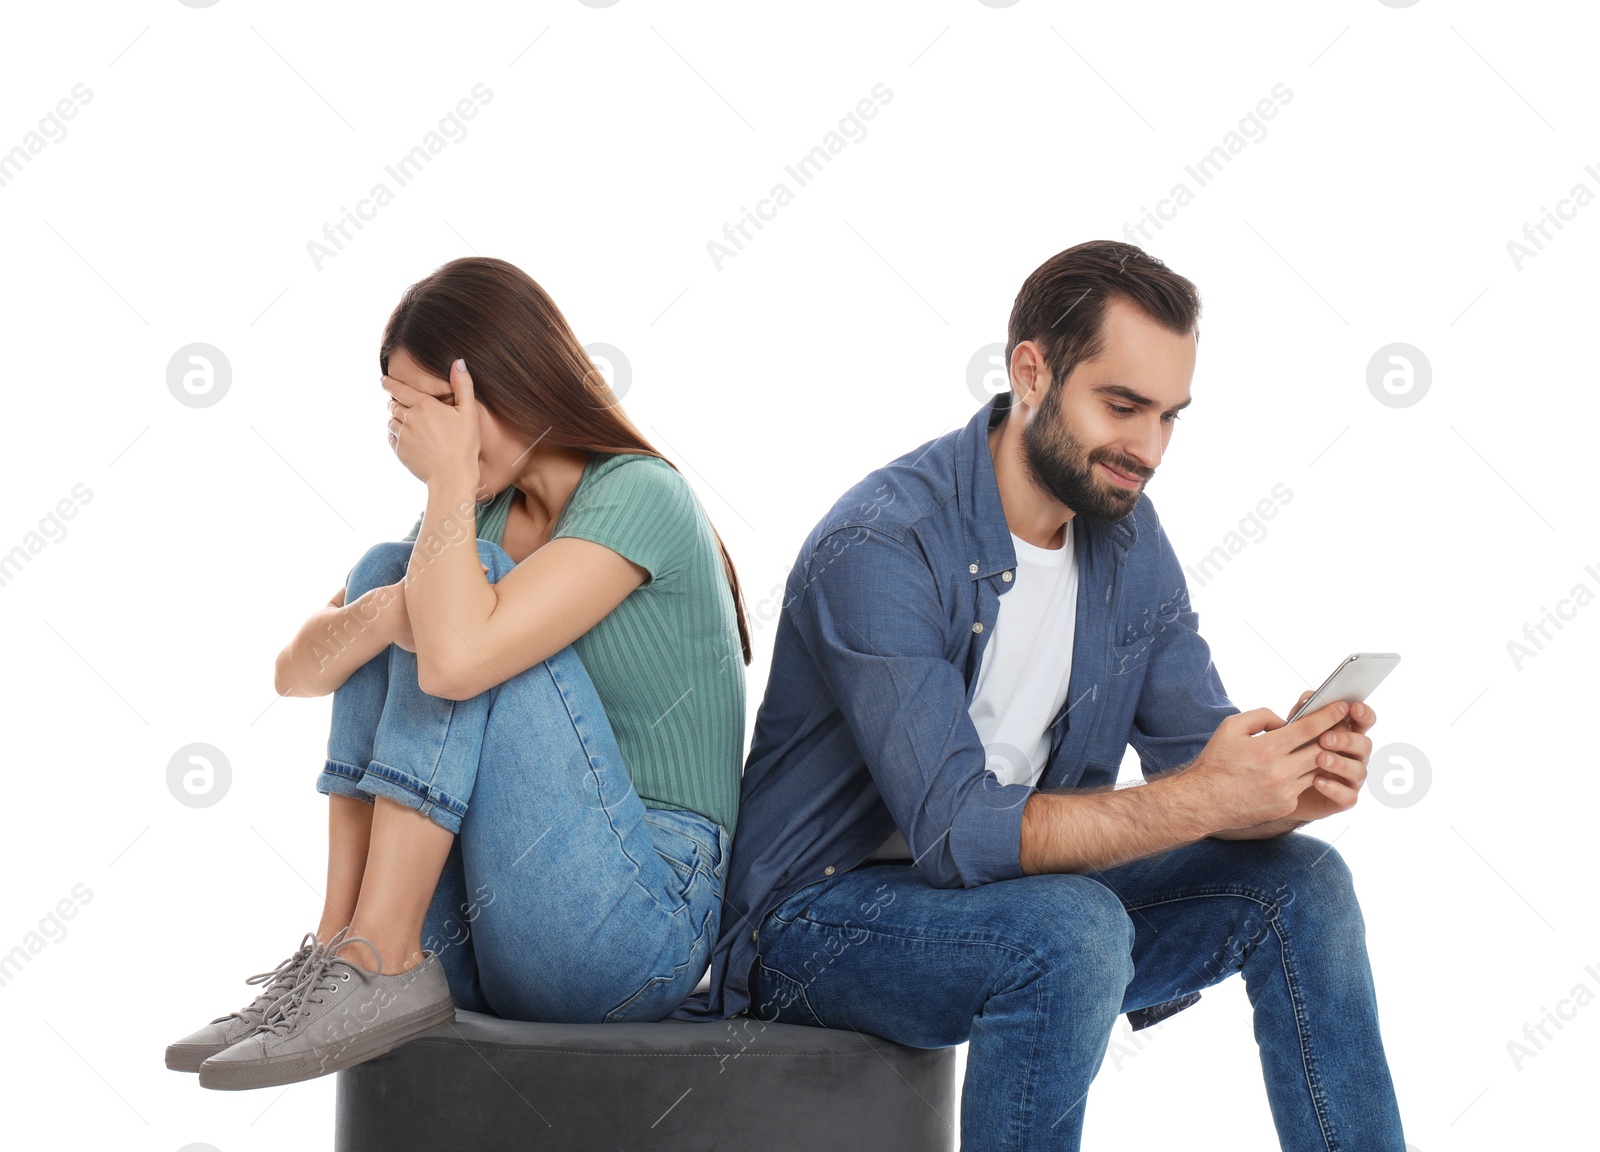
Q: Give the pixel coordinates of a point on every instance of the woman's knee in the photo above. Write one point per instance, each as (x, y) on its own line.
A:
(496, 557)
(383, 563)
(386, 563)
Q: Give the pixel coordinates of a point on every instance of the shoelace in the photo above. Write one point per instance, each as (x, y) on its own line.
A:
(285, 1011)
(277, 980)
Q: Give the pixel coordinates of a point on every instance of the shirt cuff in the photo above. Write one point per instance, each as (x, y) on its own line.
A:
(986, 835)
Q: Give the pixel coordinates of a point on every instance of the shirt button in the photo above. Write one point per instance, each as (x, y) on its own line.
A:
(828, 871)
(752, 933)
(1006, 576)
(977, 625)
(973, 568)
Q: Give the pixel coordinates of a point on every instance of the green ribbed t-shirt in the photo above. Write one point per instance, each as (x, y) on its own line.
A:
(665, 662)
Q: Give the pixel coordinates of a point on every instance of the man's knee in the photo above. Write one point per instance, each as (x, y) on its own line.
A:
(1077, 927)
(1309, 873)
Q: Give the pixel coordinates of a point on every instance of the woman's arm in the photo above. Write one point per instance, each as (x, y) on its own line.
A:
(338, 639)
(470, 634)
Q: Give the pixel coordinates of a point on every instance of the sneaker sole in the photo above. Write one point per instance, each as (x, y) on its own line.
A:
(291, 1069)
(188, 1058)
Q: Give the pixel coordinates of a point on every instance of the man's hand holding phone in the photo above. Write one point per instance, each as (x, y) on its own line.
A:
(1257, 770)
(1341, 764)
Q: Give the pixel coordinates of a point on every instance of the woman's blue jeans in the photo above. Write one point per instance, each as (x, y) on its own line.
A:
(1034, 971)
(564, 898)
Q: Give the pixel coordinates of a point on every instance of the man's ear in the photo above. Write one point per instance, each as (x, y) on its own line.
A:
(1030, 375)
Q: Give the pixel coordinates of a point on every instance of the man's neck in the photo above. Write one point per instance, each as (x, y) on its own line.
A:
(1031, 514)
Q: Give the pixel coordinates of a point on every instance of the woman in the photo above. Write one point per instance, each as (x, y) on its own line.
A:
(538, 713)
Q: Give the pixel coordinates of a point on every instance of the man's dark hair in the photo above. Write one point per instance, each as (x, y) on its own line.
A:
(1062, 304)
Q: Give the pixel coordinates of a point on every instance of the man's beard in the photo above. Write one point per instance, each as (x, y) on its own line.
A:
(1062, 467)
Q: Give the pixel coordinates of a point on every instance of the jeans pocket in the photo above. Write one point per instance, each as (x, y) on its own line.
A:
(777, 996)
(663, 992)
(690, 844)
(796, 904)
(693, 848)
(642, 1004)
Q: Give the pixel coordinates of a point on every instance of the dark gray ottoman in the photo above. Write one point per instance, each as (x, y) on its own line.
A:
(489, 1085)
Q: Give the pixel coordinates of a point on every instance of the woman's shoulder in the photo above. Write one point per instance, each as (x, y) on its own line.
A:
(632, 467)
(640, 479)
(639, 506)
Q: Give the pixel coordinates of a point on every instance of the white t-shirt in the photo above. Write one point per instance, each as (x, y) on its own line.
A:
(1026, 668)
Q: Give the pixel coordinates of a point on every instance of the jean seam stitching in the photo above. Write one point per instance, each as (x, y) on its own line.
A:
(1296, 1000)
(1025, 1113)
(429, 795)
(658, 978)
(912, 939)
(654, 981)
(800, 990)
(583, 742)
(1172, 896)
(1302, 1027)
(438, 758)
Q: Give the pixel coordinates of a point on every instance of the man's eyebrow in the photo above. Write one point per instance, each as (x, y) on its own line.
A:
(1137, 399)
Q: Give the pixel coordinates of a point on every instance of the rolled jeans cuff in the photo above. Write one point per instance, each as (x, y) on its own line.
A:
(378, 779)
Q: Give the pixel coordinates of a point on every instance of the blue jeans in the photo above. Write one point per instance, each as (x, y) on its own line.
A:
(564, 898)
(1034, 971)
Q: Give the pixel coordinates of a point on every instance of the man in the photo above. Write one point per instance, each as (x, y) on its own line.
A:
(931, 848)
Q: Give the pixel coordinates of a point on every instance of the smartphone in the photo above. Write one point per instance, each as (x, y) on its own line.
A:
(1354, 679)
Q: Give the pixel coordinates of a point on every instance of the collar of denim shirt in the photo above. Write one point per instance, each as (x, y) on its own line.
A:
(987, 532)
(1101, 547)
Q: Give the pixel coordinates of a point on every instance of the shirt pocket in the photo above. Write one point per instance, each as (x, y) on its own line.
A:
(1098, 775)
(1130, 658)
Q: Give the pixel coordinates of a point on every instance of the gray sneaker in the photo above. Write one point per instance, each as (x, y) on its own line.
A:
(336, 1014)
(187, 1054)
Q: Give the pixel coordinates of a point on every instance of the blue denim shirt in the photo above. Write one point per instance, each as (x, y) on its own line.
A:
(864, 726)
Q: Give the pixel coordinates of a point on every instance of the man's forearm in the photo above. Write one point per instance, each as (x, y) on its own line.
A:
(1260, 831)
(1084, 830)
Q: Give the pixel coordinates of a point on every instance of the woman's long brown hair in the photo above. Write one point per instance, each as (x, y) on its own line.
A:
(528, 368)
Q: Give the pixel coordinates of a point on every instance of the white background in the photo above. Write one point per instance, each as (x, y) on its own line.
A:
(1376, 209)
